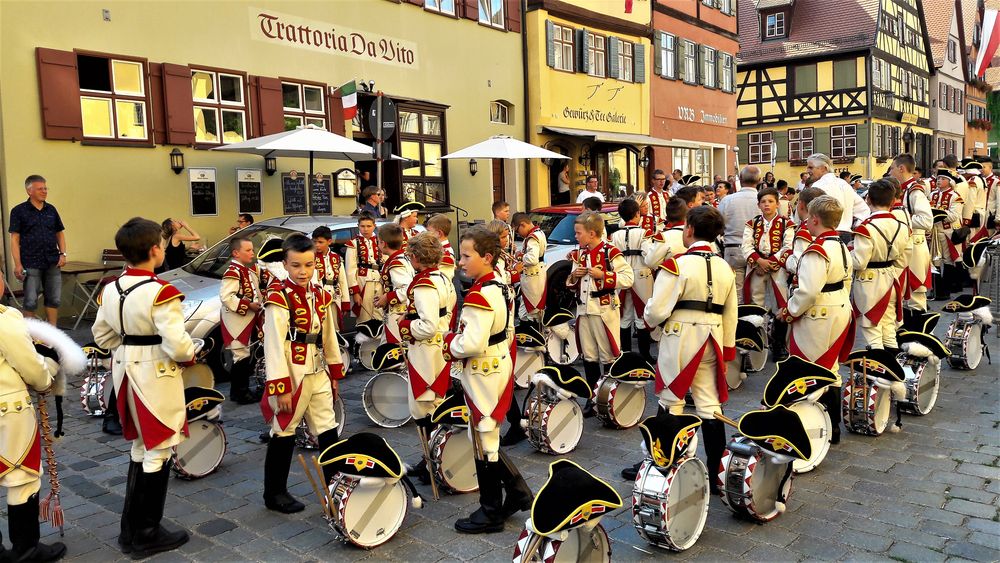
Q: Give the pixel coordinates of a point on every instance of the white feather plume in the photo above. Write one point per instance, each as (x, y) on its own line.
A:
(983, 314)
(72, 360)
(917, 350)
(755, 320)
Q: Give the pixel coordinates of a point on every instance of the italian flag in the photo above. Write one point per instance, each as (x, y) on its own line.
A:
(349, 98)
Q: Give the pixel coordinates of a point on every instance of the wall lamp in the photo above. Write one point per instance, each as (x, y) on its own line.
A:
(473, 167)
(270, 165)
(177, 160)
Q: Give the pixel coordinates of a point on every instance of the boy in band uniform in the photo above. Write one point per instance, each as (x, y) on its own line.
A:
(819, 309)
(658, 198)
(694, 299)
(364, 270)
(802, 238)
(767, 243)
(501, 212)
(669, 242)
(880, 244)
(508, 269)
(140, 319)
(242, 315)
(635, 243)
(406, 218)
(917, 208)
(481, 342)
(533, 274)
(303, 363)
(397, 273)
(430, 300)
(22, 370)
(600, 273)
(440, 226)
(330, 272)
(945, 199)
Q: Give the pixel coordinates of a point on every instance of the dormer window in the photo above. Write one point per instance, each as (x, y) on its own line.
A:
(775, 26)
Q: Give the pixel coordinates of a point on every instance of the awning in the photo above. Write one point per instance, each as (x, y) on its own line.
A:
(606, 137)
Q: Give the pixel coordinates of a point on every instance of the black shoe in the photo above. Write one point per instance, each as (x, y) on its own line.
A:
(149, 536)
(479, 522)
(22, 524)
(264, 437)
(630, 473)
(284, 503)
(488, 518)
(245, 398)
(111, 426)
(514, 435)
(589, 409)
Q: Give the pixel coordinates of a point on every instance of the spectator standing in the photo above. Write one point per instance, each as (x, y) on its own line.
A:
(769, 179)
(562, 195)
(821, 176)
(737, 209)
(243, 220)
(591, 191)
(372, 202)
(38, 243)
(175, 234)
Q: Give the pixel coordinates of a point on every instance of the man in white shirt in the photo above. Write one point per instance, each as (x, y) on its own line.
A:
(591, 190)
(737, 209)
(820, 169)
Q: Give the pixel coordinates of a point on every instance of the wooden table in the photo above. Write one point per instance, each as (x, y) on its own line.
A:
(75, 269)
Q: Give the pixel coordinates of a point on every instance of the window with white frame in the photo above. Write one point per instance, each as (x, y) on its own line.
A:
(443, 6)
(690, 62)
(843, 141)
(303, 105)
(760, 147)
(491, 13)
(113, 98)
(625, 64)
(710, 76)
(727, 73)
(596, 53)
(726, 6)
(219, 107)
(800, 143)
(682, 158)
(877, 138)
(906, 84)
(952, 50)
(775, 25)
(668, 55)
(562, 45)
(500, 112)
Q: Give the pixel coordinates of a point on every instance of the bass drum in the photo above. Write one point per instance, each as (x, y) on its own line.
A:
(385, 399)
(367, 512)
(965, 342)
(581, 545)
(818, 427)
(670, 505)
(923, 381)
(202, 452)
(307, 441)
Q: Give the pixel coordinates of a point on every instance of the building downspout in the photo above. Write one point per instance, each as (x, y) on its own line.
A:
(524, 105)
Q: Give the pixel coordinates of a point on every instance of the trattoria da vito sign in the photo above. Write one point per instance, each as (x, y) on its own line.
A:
(292, 31)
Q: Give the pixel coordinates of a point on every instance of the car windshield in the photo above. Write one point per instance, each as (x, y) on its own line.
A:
(558, 227)
(213, 262)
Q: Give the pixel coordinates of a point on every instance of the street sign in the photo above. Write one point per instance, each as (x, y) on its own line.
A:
(388, 118)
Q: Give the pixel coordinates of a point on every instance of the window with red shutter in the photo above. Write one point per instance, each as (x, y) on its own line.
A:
(267, 105)
(179, 104)
(471, 9)
(60, 95)
(113, 98)
(156, 103)
(335, 107)
(514, 15)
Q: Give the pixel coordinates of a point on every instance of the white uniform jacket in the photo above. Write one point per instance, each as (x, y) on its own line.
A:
(448, 260)
(430, 304)
(364, 275)
(880, 248)
(658, 207)
(949, 201)
(763, 239)
(668, 243)
(919, 216)
(533, 276)
(331, 274)
(239, 289)
(635, 243)
(397, 273)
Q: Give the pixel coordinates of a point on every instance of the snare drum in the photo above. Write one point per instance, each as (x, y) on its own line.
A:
(367, 511)
(753, 485)
(526, 364)
(735, 372)
(866, 405)
(202, 452)
(818, 427)
(452, 462)
(922, 385)
(670, 505)
(580, 544)
(385, 399)
(554, 425)
(965, 342)
(365, 352)
(345, 357)
(94, 392)
(563, 351)
(306, 440)
(620, 403)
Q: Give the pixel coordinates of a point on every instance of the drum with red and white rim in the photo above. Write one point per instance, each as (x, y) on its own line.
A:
(620, 404)
(203, 450)
(581, 544)
(452, 461)
(965, 342)
(367, 511)
(818, 426)
(670, 505)
(554, 424)
(922, 384)
(866, 405)
(307, 441)
(755, 485)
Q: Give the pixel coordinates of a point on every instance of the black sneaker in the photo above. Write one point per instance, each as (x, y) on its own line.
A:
(630, 473)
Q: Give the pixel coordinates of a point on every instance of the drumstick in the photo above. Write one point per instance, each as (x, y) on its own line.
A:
(326, 486)
(727, 420)
(532, 547)
(422, 434)
(312, 481)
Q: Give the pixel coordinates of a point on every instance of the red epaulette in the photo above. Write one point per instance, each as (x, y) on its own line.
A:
(477, 299)
(232, 273)
(817, 248)
(803, 234)
(613, 253)
(862, 230)
(167, 293)
(276, 295)
(670, 265)
(349, 244)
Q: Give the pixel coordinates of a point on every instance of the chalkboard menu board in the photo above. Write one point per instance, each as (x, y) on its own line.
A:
(293, 195)
(204, 196)
(319, 196)
(248, 191)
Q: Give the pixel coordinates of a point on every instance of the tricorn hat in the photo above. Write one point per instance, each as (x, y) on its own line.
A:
(556, 316)
(878, 363)
(970, 163)
(199, 401)
(750, 310)
(452, 410)
(916, 320)
(973, 253)
(408, 208)
(566, 378)
(389, 357)
(92, 350)
(630, 366)
(749, 336)
(570, 497)
(854, 178)
(929, 341)
(939, 214)
(527, 335)
(371, 328)
(690, 179)
(947, 173)
(779, 430)
(794, 379)
(967, 302)
(363, 454)
(271, 251)
(667, 436)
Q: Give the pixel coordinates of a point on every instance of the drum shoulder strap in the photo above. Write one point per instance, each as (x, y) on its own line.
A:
(121, 301)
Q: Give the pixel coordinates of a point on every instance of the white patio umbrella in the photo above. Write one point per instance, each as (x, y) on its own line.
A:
(502, 146)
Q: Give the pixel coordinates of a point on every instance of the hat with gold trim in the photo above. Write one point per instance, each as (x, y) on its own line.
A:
(779, 430)
(967, 302)
(630, 366)
(389, 357)
(928, 341)
(453, 410)
(794, 380)
(365, 455)
(667, 436)
(947, 173)
(271, 251)
(570, 497)
(371, 328)
(527, 335)
(568, 379)
(408, 208)
(690, 179)
(855, 178)
(877, 363)
(556, 316)
(915, 320)
(973, 253)
(749, 336)
(199, 401)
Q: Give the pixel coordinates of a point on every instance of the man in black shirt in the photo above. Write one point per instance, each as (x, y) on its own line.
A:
(38, 244)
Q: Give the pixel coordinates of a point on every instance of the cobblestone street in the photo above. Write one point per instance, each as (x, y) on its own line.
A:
(928, 493)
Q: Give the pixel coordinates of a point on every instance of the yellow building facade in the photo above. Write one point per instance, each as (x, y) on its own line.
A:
(113, 71)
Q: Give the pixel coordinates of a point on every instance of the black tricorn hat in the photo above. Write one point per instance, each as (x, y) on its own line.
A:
(749, 336)
(527, 335)
(750, 310)
(955, 179)
(389, 357)
(854, 178)
(777, 429)
(568, 379)
(341, 340)
(371, 328)
(929, 341)
(556, 316)
(689, 179)
(569, 497)
(408, 206)
(452, 410)
(271, 251)
(200, 400)
(939, 215)
(794, 379)
(973, 253)
(967, 302)
(970, 163)
(92, 350)
(878, 363)
(363, 454)
(667, 436)
(630, 366)
(915, 320)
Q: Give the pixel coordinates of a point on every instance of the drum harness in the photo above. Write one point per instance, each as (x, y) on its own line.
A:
(888, 243)
(443, 311)
(836, 286)
(629, 251)
(501, 336)
(133, 339)
(708, 305)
